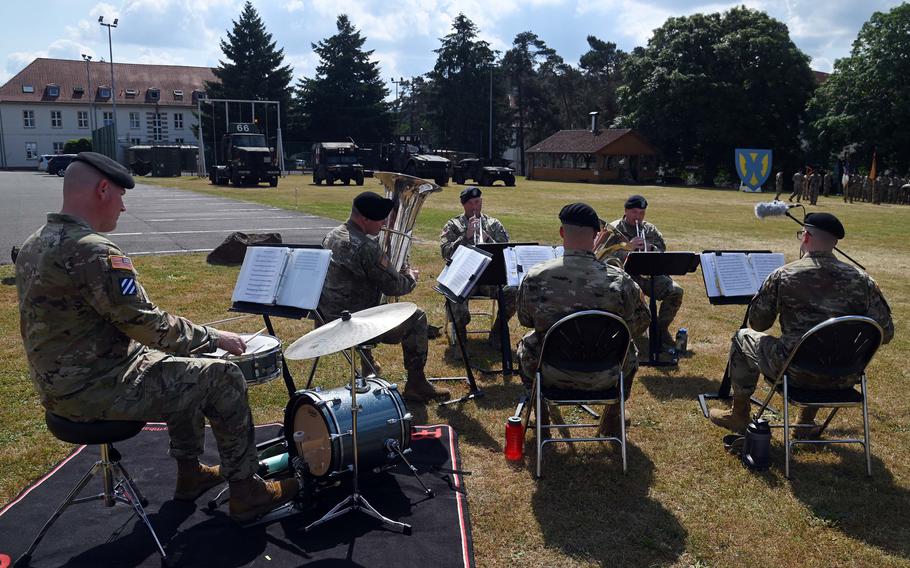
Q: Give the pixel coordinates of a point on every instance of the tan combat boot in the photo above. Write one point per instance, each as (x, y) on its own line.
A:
(194, 479)
(807, 417)
(418, 388)
(736, 418)
(253, 496)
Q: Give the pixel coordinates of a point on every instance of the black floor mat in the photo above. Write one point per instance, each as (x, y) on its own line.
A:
(93, 535)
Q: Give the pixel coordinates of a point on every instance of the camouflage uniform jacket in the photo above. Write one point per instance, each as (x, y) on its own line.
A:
(359, 273)
(627, 232)
(813, 289)
(455, 231)
(85, 319)
(574, 282)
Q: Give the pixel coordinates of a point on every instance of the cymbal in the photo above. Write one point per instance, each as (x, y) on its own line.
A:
(342, 334)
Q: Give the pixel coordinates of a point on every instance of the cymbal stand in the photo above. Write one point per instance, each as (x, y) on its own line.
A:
(356, 501)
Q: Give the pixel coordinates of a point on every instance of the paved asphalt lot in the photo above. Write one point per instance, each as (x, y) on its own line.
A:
(157, 220)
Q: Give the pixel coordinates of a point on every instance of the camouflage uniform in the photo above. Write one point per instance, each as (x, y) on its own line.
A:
(798, 182)
(562, 286)
(358, 275)
(453, 234)
(779, 184)
(815, 181)
(668, 292)
(86, 321)
(803, 293)
(826, 184)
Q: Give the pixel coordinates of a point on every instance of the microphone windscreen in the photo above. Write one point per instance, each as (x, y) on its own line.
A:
(771, 209)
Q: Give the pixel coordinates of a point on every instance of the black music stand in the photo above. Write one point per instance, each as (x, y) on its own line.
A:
(659, 264)
(723, 392)
(495, 275)
(451, 297)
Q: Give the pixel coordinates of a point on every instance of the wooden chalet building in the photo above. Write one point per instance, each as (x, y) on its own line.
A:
(618, 155)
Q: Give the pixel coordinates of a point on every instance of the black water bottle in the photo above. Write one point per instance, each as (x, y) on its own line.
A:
(682, 341)
(757, 445)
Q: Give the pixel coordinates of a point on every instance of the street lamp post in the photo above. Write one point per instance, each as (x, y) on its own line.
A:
(397, 102)
(110, 48)
(88, 92)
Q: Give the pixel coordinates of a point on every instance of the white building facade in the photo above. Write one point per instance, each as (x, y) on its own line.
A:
(52, 101)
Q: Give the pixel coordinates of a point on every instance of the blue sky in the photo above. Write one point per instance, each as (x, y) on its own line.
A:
(403, 33)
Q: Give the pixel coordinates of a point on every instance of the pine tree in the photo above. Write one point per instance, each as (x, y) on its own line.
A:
(252, 70)
(347, 96)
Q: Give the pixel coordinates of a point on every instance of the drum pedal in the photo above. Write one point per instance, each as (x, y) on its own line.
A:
(393, 446)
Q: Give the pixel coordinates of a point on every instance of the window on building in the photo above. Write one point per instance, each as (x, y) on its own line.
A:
(56, 119)
(108, 117)
(178, 94)
(178, 120)
(31, 150)
(134, 120)
(28, 118)
(58, 147)
(179, 141)
(53, 91)
(152, 94)
(28, 88)
(104, 92)
(82, 118)
(135, 141)
(156, 127)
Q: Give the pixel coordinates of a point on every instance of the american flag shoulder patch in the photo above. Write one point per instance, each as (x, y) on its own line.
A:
(128, 286)
(121, 262)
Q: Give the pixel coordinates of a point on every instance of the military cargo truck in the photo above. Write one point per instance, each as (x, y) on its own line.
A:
(409, 156)
(246, 158)
(337, 161)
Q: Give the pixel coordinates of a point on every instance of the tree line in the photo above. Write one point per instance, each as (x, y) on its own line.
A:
(703, 85)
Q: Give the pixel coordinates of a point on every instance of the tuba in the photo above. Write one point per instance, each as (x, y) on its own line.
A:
(408, 194)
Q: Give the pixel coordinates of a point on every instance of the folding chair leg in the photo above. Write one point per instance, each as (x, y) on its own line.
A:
(622, 422)
(867, 441)
(537, 422)
(786, 428)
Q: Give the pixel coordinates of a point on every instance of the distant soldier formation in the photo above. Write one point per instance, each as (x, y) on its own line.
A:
(808, 183)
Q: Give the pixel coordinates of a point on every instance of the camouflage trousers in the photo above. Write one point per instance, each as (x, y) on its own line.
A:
(667, 292)
(509, 305)
(183, 392)
(529, 358)
(753, 353)
(412, 335)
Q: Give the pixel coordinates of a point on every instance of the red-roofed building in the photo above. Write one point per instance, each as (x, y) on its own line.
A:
(55, 100)
(596, 156)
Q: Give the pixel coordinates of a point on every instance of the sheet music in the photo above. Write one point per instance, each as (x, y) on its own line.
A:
(513, 278)
(467, 264)
(260, 275)
(709, 274)
(303, 279)
(734, 275)
(765, 263)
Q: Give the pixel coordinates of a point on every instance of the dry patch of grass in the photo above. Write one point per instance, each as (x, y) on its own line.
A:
(684, 502)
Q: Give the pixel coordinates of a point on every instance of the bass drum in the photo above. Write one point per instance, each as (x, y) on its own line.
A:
(317, 425)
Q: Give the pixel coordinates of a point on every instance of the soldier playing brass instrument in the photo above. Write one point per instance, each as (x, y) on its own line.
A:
(99, 349)
(803, 294)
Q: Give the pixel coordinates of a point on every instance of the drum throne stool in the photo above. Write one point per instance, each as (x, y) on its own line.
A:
(117, 485)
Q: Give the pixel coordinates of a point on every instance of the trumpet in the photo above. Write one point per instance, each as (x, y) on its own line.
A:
(478, 234)
(609, 241)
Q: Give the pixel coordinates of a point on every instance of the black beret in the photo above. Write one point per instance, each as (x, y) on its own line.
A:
(827, 223)
(469, 193)
(109, 168)
(373, 206)
(636, 202)
(581, 215)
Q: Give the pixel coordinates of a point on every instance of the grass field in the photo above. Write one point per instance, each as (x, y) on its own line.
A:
(684, 502)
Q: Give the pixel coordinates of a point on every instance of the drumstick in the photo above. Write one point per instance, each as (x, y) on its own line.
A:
(250, 338)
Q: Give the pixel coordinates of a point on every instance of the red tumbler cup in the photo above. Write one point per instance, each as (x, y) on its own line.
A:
(515, 439)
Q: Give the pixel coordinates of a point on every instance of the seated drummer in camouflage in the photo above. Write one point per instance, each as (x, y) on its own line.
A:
(473, 226)
(666, 291)
(99, 349)
(360, 273)
(803, 293)
(571, 283)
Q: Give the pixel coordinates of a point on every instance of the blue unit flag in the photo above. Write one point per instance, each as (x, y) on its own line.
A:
(753, 166)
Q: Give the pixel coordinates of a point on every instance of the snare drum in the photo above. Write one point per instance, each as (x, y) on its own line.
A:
(318, 423)
(260, 363)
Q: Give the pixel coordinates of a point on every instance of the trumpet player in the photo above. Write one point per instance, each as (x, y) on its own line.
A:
(473, 227)
(360, 272)
(639, 235)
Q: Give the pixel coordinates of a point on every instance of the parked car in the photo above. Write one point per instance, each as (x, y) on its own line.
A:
(43, 160)
(58, 163)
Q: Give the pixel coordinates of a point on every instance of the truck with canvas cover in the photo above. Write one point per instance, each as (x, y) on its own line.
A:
(408, 156)
(337, 161)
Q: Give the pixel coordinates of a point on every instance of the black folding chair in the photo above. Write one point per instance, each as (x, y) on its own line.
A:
(589, 341)
(837, 347)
